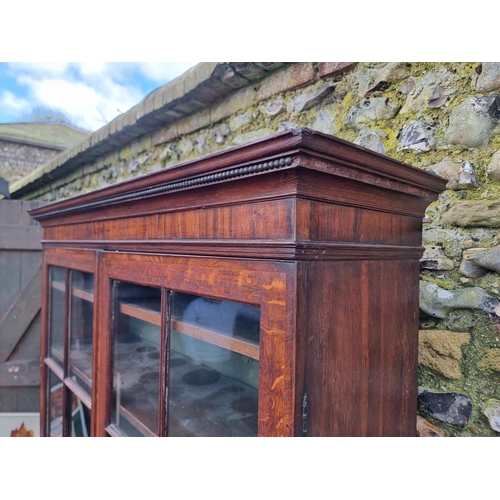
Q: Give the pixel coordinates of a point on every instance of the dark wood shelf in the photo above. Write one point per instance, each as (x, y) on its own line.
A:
(135, 422)
(234, 344)
(84, 295)
(77, 292)
(219, 339)
(146, 314)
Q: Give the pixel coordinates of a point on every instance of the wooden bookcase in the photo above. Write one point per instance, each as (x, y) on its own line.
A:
(271, 290)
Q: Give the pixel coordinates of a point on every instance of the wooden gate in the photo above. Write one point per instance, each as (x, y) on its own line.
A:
(20, 300)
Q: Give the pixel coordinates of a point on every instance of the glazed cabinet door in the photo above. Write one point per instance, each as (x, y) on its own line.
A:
(194, 346)
(68, 343)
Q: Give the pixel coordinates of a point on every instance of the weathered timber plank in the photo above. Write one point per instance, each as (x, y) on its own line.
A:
(8, 399)
(20, 237)
(15, 212)
(30, 260)
(29, 345)
(20, 315)
(10, 278)
(28, 399)
(10, 213)
(20, 373)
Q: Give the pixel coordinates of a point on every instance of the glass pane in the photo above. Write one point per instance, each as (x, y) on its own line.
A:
(56, 332)
(136, 354)
(81, 328)
(213, 367)
(55, 405)
(80, 418)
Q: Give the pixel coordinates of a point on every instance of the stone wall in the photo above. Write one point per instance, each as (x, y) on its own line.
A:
(18, 160)
(437, 116)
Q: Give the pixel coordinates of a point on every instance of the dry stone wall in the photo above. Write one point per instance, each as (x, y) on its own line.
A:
(442, 117)
(18, 160)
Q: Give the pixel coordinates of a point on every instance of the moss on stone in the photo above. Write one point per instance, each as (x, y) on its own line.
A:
(50, 133)
(490, 361)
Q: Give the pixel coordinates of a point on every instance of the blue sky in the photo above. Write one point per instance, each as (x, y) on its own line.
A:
(89, 94)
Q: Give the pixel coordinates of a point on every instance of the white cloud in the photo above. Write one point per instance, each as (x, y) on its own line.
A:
(86, 105)
(92, 68)
(13, 104)
(40, 68)
(89, 93)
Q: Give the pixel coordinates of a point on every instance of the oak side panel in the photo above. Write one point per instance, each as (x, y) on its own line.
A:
(362, 348)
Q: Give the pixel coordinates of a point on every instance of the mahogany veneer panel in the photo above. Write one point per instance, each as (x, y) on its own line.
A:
(266, 220)
(320, 221)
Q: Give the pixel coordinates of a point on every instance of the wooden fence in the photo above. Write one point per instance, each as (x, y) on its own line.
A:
(20, 300)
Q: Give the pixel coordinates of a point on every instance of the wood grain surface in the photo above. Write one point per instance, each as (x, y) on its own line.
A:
(322, 235)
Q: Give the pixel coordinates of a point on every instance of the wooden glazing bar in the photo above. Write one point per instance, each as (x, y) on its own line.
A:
(76, 371)
(114, 431)
(66, 398)
(95, 349)
(80, 393)
(164, 345)
(54, 367)
(102, 386)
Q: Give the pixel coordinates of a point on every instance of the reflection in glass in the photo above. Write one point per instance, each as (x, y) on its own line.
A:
(56, 332)
(136, 355)
(80, 418)
(81, 328)
(213, 367)
(55, 405)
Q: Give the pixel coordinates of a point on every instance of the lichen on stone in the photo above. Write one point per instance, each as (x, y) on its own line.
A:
(490, 362)
(440, 350)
